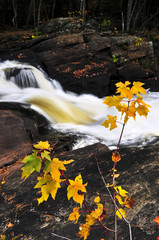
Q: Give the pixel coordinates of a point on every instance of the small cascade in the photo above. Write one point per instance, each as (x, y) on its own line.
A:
(25, 83)
(81, 114)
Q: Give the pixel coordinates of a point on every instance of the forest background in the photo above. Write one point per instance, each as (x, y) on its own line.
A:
(126, 15)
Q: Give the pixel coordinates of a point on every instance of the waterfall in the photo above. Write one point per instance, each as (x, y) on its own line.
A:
(81, 114)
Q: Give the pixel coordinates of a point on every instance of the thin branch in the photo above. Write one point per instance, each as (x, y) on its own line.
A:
(139, 211)
(60, 236)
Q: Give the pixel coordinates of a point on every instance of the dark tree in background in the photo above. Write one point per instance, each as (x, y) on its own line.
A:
(126, 15)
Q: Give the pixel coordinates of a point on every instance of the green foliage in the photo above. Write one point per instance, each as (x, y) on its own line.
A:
(37, 33)
(106, 23)
(115, 59)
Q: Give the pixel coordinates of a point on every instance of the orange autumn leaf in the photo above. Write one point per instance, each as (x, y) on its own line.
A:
(116, 156)
(98, 211)
(84, 231)
(129, 202)
(156, 219)
(10, 225)
(90, 220)
(74, 216)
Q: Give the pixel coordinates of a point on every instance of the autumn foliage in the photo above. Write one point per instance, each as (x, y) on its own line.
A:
(129, 103)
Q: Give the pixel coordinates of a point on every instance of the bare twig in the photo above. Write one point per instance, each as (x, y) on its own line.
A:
(56, 235)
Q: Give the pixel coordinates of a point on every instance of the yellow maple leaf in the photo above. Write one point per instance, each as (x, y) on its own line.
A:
(74, 188)
(42, 145)
(137, 88)
(110, 121)
(98, 211)
(74, 216)
(121, 213)
(112, 101)
(142, 110)
(119, 199)
(84, 231)
(90, 219)
(48, 186)
(121, 191)
(97, 199)
(124, 90)
(54, 166)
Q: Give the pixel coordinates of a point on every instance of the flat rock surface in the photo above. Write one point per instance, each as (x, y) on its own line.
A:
(138, 175)
(14, 140)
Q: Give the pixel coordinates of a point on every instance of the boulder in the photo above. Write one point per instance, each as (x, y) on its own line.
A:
(138, 171)
(87, 61)
(14, 139)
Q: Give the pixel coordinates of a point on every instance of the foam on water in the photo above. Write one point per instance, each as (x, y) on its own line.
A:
(81, 114)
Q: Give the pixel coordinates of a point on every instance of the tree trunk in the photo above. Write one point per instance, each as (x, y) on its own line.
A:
(53, 8)
(129, 15)
(29, 12)
(14, 19)
(137, 14)
(122, 22)
(34, 13)
(38, 14)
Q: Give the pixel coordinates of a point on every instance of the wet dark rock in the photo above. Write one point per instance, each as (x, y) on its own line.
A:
(86, 61)
(138, 175)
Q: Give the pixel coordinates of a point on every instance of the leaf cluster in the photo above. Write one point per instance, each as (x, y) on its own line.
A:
(52, 174)
(128, 102)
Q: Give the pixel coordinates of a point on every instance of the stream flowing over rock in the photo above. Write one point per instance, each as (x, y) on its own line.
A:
(87, 60)
(83, 61)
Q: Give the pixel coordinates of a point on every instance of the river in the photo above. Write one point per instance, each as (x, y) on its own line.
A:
(69, 112)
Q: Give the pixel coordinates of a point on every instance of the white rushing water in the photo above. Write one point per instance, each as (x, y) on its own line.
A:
(80, 114)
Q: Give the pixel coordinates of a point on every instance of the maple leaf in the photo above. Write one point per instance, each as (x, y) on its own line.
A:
(156, 219)
(121, 213)
(137, 88)
(75, 187)
(32, 163)
(45, 155)
(84, 231)
(97, 199)
(129, 202)
(110, 121)
(116, 156)
(74, 216)
(121, 191)
(2, 237)
(98, 211)
(142, 110)
(54, 166)
(112, 101)
(42, 145)
(90, 219)
(119, 199)
(124, 90)
(48, 186)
